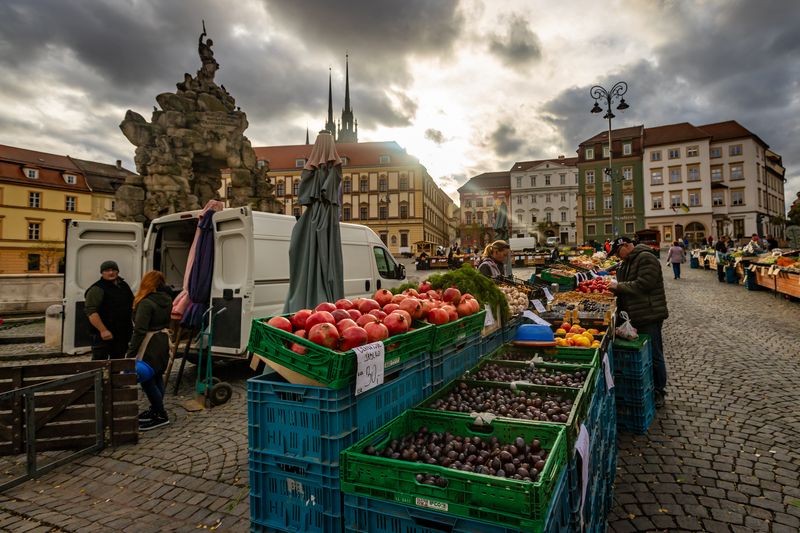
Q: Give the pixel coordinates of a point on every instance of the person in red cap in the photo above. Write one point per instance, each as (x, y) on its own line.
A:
(639, 288)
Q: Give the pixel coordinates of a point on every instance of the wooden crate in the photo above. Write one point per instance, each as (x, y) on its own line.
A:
(789, 283)
(66, 414)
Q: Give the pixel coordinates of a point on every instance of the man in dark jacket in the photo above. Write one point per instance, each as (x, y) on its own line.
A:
(108, 307)
(640, 292)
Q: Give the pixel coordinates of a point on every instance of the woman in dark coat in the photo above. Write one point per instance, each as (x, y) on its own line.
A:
(150, 345)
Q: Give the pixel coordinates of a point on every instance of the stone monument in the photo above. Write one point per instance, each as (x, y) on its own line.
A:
(181, 152)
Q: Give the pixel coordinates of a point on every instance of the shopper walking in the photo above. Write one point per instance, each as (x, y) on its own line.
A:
(108, 308)
(639, 288)
(675, 257)
(150, 345)
(492, 263)
(721, 249)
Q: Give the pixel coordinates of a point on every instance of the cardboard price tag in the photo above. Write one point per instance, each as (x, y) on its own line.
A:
(538, 305)
(489, 320)
(547, 294)
(582, 447)
(370, 358)
(607, 372)
(536, 318)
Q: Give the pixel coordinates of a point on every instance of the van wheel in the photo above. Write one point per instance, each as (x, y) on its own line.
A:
(220, 393)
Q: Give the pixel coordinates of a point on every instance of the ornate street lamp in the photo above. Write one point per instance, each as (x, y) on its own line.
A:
(609, 97)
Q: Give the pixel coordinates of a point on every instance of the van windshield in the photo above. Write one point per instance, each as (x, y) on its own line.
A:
(385, 262)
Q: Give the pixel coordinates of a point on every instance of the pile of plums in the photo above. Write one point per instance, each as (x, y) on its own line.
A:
(515, 355)
(534, 375)
(525, 405)
(519, 460)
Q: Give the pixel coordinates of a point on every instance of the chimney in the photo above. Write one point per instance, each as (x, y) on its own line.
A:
(119, 163)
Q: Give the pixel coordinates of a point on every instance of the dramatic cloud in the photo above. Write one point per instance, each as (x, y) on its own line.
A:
(434, 135)
(519, 46)
(504, 140)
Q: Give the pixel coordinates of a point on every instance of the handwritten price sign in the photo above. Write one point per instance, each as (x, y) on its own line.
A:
(371, 363)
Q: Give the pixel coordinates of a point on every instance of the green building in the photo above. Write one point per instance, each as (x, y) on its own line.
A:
(611, 205)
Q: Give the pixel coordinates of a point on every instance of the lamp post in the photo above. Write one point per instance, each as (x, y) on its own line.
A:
(610, 96)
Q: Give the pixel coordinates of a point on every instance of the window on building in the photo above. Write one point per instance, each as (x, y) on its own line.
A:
(480, 217)
(692, 151)
(345, 160)
(34, 262)
(605, 151)
(403, 210)
(716, 174)
(657, 201)
(113, 205)
(32, 173)
(674, 153)
(346, 212)
(608, 229)
(363, 185)
(735, 149)
(547, 198)
(384, 160)
(627, 173)
(591, 229)
(718, 198)
(590, 204)
(519, 218)
(519, 199)
(607, 202)
(562, 179)
(468, 203)
(590, 177)
(34, 231)
(627, 148)
(70, 203)
(576, 179)
(546, 179)
(70, 179)
(533, 181)
(296, 187)
(715, 152)
(519, 182)
(296, 212)
(738, 227)
(383, 212)
(563, 197)
(656, 177)
(299, 163)
(363, 212)
(403, 183)
(693, 173)
(629, 228)
(404, 239)
(348, 186)
(606, 175)
(589, 153)
(675, 199)
(667, 233)
(34, 199)
(261, 163)
(479, 202)
(383, 184)
(548, 216)
(533, 219)
(468, 218)
(280, 189)
(737, 196)
(655, 155)
(694, 198)
(627, 201)
(675, 175)
(563, 216)
(736, 172)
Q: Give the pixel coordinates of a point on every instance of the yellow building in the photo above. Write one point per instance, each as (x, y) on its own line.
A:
(383, 187)
(38, 193)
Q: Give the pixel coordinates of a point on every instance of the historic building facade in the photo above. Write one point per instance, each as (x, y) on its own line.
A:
(480, 200)
(544, 199)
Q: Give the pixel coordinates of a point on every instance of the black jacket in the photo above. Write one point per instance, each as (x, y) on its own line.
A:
(152, 314)
(640, 291)
(112, 301)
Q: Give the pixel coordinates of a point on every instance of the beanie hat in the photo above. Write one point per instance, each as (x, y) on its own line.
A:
(109, 265)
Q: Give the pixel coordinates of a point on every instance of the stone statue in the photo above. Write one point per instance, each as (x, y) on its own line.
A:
(193, 135)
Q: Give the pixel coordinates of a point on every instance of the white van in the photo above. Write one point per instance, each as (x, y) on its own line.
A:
(251, 266)
(553, 241)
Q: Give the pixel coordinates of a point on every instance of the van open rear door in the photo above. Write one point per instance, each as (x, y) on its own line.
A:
(232, 285)
(88, 244)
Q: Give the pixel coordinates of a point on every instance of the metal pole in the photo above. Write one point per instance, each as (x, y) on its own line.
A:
(611, 174)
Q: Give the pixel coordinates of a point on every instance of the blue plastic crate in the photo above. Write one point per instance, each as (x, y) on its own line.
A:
(491, 342)
(291, 495)
(367, 515)
(630, 357)
(317, 423)
(635, 389)
(447, 365)
(635, 418)
(694, 262)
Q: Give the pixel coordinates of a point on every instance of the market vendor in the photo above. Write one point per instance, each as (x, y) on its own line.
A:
(639, 288)
(492, 263)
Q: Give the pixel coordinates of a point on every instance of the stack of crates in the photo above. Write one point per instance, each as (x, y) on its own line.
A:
(455, 348)
(633, 380)
(296, 433)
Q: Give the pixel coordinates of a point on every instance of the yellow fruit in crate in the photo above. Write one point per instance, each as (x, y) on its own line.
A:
(602, 333)
(596, 344)
(561, 342)
(570, 342)
(592, 331)
(570, 335)
(582, 341)
(577, 329)
(588, 336)
(560, 332)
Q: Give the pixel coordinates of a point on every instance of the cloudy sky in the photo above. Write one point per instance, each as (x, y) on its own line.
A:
(466, 86)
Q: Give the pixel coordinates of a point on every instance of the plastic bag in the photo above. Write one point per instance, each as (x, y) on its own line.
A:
(626, 329)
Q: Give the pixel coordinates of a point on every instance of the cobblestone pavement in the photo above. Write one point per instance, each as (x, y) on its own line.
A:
(724, 454)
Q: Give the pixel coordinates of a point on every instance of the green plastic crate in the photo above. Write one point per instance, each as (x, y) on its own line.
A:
(452, 333)
(559, 355)
(512, 503)
(564, 281)
(523, 364)
(580, 404)
(329, 367)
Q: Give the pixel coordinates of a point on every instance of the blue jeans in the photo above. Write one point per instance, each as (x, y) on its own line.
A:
(676, 270)
(154, 390)
(657, 344)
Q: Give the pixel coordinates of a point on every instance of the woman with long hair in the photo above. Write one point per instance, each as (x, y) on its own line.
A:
(494, 257)
(150, 345)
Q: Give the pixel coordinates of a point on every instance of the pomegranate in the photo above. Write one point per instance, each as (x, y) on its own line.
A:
(366, 319)
(344, 303)
(388, 308)
(396, 323)
(355, 314)
(475, 305)
(451, 312)
(406, 314)
(433, 295)
(280, 323)
(425, 286)
(413, 307)
(324, 334)
(376, 332)
(383, 297)
(451, 294)
(353, 337)
(340, 314)
(464, 309)
(325, 306)
(300, 317)
(427, 307)
(411, 292)
(438, 317)
(298, 348)
(344, 325)
(318, 318)
(377, 313)
(367, 304)
(398, 298)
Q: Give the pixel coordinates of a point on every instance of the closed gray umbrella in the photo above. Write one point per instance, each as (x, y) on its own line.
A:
(315, 252)
(501, 231)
